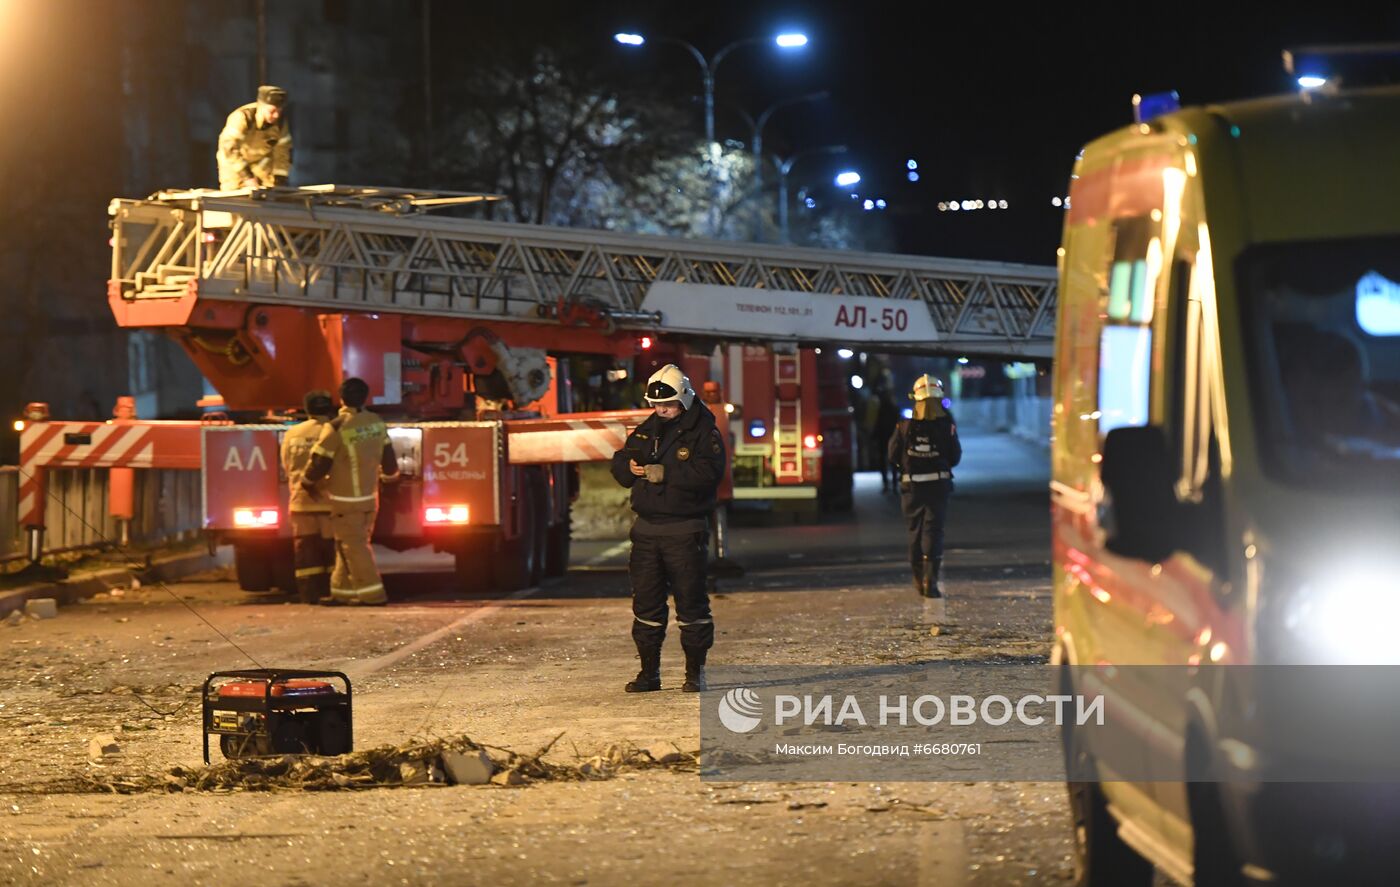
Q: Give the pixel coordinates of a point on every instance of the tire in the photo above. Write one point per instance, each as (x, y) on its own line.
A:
(472, 564)
(556, 552)
(253, 567)
(1215, 861)
(516, 563)
(1101, 857)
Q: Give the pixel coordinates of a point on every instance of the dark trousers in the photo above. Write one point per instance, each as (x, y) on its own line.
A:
(313, 553)
(675, 565)
(925, 507)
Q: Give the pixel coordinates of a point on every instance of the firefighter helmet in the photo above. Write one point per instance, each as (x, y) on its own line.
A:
(926, 387)
(669, 383)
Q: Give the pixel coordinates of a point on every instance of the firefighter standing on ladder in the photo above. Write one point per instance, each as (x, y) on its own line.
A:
(255, 147)
(673, 463)
(926, 448)
(352, 450)
(313, 543)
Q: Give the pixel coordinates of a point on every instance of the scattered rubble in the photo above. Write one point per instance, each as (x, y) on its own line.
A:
(102, 746)
(451, 761)
(41, 608)
(468, 768)
(15, 618)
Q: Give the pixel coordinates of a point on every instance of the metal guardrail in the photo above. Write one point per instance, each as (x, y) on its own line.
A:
(167, 509)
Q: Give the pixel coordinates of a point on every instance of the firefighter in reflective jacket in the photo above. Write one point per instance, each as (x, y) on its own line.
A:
(313, 544)
(255, 146)
(673, 463)
(351, 452)
(926, 448)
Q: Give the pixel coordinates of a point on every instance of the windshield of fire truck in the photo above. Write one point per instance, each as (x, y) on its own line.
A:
(1323, 322)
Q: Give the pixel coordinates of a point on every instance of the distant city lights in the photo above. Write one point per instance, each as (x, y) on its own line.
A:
(911, 164)
(913, 177)
(971, 205)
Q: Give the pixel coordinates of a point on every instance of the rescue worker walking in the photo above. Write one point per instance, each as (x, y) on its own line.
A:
(927, 449)
(313, 543)
(673, 463)
(255, 146)
(352, 450)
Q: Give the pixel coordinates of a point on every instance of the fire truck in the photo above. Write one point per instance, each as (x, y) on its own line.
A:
(460, 325)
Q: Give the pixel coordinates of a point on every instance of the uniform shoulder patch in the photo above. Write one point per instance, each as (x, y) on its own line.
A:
(683, 453)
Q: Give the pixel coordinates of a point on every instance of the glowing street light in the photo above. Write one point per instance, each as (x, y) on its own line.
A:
(709, 65)
(1312, 81)
(847, 178)
(784, 167)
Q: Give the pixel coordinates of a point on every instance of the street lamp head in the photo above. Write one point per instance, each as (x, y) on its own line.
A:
(847, 178)
(793, 40)
(630, 39)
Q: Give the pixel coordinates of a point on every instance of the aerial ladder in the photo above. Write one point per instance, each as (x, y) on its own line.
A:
(457, 323)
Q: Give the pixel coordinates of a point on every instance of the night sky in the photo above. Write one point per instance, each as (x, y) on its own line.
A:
(991, 99)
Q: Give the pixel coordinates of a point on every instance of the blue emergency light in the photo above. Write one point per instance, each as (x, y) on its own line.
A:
(757, 428)
(1147, 108)
(1366, 64)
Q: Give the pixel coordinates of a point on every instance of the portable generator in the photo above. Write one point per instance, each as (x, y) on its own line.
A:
(277, 711)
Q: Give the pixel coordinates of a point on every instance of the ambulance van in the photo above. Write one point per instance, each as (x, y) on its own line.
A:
(1226, 470)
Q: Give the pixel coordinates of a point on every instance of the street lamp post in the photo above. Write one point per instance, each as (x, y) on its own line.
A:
(784, 167)
(708, 66)
(758, 144)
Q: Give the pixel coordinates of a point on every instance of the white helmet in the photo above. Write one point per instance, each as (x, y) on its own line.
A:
(669, 383)
(926, 387)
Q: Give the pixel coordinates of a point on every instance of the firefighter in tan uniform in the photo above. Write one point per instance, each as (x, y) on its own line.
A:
(351, 451)
(313, 544)
(255, 147)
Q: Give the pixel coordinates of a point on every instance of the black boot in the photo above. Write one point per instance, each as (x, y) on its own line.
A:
(929, 586)
(694, 672)
(649, 678)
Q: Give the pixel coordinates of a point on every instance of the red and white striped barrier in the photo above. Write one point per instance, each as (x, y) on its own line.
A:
(117, 444)
(583, 437)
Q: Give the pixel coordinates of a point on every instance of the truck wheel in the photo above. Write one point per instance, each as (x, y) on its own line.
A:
(473, 564)
(1102, 858)
(516, 564)
(556, 554)
(253, 567)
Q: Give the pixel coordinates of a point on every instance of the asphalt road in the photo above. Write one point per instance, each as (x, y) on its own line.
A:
(517, 671)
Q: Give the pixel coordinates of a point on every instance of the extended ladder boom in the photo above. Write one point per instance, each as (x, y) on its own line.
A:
(339, 249)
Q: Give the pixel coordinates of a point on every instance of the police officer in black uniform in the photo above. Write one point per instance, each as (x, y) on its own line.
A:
(927, 449)
(673, 463)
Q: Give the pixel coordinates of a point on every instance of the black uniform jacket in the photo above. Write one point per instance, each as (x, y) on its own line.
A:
(943, 433)
(691, 449)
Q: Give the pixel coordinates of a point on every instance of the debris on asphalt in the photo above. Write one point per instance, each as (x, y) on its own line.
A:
(468, 768)
(451, 761)
(15, 618)
(41, 608)
(102, 746)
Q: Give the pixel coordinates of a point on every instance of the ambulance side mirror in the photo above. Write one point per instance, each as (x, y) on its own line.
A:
(1136, 472)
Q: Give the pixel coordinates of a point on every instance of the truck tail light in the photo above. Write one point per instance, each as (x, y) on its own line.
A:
(446, 514)
(254, 518)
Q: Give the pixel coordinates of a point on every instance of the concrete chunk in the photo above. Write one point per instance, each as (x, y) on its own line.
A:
(664, 753)
(472, 768)
(508, 777)
(41, 607)
(105, 744)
